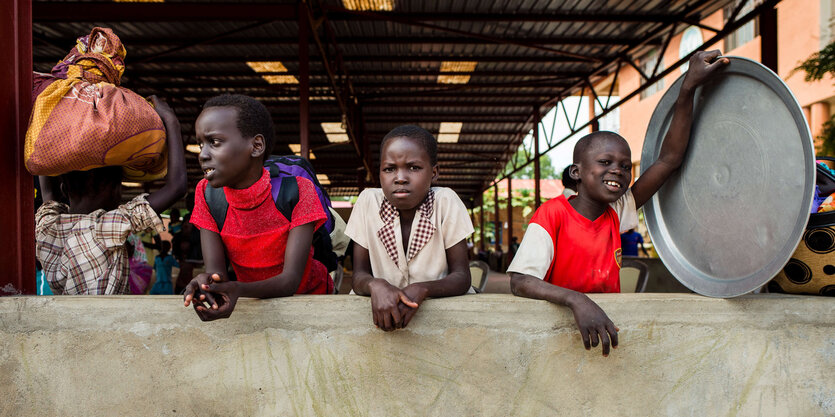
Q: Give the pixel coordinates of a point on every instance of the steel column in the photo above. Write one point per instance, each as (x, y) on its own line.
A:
(537, 188)
(304, 81)
(496, 220)
(509, 211)
(768, 38)
(481, 222)
(17, 246)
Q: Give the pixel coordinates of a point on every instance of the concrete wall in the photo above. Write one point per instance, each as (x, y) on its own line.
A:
(473, 355)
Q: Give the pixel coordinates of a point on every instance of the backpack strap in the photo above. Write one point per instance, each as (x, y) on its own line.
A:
(288, 197)
(218, 206)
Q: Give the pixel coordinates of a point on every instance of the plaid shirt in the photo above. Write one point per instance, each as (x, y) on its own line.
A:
(85, 253)
(420, 234)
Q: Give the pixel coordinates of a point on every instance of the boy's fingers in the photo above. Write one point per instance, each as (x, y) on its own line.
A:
(711, 55)
(585, 334)
(386, 321)
(604, 337)
(593, 336)
(406, 300)
(613, 334)
(210, 299)
(395, 315)
(408, 317)
(215, 277)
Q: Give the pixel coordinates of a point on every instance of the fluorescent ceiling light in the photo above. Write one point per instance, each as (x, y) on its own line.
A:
(131, 184)
(273, 66)
(280, 79)
(193, 148)
(323, 179)
(335, 132)
(464, 67)
(449, 132)
(267, 66)
(378, 5)
(296, 148)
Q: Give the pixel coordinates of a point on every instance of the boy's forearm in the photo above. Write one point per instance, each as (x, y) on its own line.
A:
(361, 283)
(675, 144)
(176, 182)
(456, 283)
(178, 177)
(277, 286)
(532, 287)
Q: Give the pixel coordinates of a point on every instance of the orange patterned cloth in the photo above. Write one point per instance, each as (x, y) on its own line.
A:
(82, 119)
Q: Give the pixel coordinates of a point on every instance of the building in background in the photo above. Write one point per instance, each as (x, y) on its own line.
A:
(803, 28)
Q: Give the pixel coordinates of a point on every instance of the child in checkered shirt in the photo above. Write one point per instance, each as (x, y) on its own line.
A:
(410, 237)
(82, 246)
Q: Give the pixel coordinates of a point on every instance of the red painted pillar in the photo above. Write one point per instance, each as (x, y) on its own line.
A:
(304, 81)
(17, 224)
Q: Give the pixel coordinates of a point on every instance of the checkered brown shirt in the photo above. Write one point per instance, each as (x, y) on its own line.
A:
(420, 235)
(85, 253)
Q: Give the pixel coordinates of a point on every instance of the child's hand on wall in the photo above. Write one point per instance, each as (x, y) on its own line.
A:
(226, 294)
(595, 326)
(703, 65)
(201, 300)
(385, 299)
(416, 293)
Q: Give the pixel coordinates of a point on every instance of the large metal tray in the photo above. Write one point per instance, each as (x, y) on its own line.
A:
(732, 216)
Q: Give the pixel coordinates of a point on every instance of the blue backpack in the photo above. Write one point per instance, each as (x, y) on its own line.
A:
(285, 192)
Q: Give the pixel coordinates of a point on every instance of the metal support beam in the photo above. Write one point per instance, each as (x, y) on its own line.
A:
(139, 42)
(768, 38)
(70, 11)
(481, 223)
(730, 26)
(304, 81)
(497, 224)
(17, 226)
(509, 211)
(537, 187)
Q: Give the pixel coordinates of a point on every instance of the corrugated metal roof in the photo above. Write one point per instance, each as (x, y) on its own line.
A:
(528, 52)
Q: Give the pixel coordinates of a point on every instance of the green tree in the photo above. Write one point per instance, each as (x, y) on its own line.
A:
(546, 169)
(816, 67)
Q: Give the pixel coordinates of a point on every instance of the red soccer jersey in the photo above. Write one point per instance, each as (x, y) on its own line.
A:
(255, 233)
(587, 254)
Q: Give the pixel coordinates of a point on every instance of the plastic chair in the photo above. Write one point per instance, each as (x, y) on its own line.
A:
(478, 273)
(634, 275)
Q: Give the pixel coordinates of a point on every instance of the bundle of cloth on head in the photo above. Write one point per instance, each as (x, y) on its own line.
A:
(83, 119)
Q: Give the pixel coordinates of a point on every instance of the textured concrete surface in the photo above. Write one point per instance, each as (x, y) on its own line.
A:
(487, 354)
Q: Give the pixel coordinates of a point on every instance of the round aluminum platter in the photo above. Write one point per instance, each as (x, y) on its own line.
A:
(732, 216)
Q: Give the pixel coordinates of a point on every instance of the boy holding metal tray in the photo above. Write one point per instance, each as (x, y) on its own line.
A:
(572, 245)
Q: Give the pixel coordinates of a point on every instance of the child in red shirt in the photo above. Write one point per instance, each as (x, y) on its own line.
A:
(572, 246)
(272, 256)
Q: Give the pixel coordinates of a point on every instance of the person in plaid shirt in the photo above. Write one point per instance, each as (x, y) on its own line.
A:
(82, 245)
(410, 237)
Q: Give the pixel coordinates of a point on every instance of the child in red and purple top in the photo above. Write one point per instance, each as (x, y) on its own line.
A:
(271, 255)
(572, 246)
